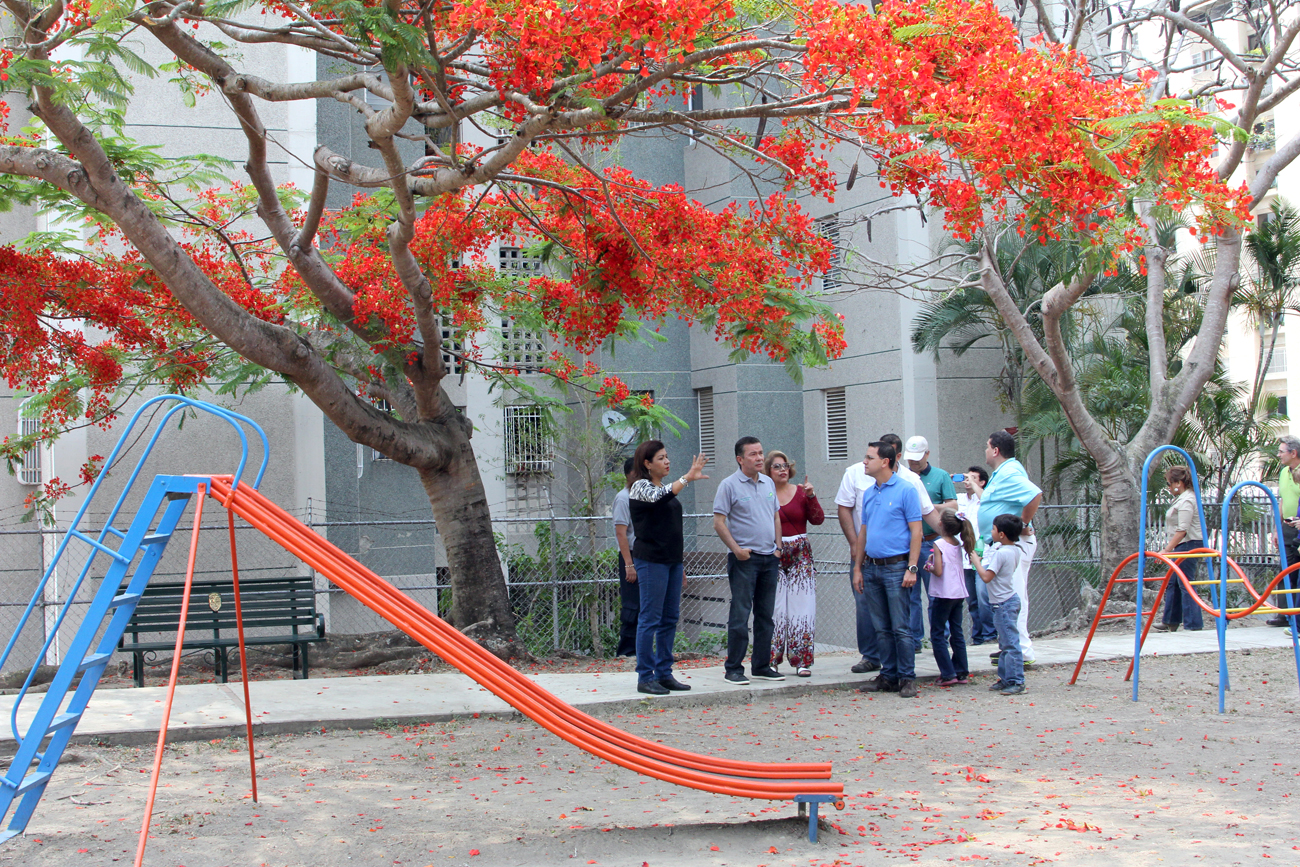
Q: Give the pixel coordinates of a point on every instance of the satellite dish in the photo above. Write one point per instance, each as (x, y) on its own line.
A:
(617, 427)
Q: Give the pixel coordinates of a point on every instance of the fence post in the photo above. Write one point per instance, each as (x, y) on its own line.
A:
(555, 583)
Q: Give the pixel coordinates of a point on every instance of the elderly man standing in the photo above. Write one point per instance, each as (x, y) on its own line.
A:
(942, 493)
(747, 520)
(885, 566)
(1010, 492)
(1288, 495)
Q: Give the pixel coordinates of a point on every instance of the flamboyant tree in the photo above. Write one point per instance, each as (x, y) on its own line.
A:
(1236, 59)
(182, 281)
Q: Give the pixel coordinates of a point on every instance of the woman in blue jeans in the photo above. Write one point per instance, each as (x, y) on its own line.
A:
(657, 555)
(1183, 524)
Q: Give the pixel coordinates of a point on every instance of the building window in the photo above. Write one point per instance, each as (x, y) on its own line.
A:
(704, 401)
(1263, 136)
(1277, 362)
(829, 228)
(837, 425)
(29, 425)
(529, 447)
(1280, 409)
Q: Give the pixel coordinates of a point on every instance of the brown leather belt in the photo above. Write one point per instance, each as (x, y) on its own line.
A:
(887, 561)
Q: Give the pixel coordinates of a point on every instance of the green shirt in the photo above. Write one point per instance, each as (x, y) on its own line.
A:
(939, 487)
(938, 484)
(1288, 491)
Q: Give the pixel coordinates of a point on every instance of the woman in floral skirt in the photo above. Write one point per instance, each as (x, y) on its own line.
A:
(795, 613)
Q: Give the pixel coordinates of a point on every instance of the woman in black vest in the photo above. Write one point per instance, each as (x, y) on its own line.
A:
(657, 555)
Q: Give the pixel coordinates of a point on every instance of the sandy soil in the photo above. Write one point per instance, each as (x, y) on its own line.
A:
(1062, 775)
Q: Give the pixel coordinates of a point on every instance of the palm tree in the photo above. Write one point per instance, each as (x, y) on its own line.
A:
(1269, 291)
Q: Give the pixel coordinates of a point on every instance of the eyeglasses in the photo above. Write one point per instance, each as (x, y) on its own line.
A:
(780, 466)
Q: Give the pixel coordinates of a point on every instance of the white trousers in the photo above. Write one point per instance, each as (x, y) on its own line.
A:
(1020, 583)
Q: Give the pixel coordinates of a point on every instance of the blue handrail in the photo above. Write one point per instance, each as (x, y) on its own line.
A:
(1142, 545)
(236, 421)
(1222, 619)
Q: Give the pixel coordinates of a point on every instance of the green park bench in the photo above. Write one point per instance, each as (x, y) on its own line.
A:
(276, 611)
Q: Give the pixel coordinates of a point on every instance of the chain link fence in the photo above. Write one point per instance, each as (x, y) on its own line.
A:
(562, 574)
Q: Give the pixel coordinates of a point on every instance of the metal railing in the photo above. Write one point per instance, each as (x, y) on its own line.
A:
(563, 579)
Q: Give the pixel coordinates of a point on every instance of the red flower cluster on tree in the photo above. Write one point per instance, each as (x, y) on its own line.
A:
(965, 115)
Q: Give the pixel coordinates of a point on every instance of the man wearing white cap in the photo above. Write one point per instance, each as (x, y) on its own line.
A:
(943, 495)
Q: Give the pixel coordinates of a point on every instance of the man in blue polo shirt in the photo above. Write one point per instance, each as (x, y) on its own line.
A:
(884, 567)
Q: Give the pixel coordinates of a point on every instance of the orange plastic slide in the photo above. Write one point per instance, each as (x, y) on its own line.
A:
(780, 781)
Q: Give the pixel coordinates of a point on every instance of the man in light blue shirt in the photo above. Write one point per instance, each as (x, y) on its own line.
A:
(885, 565)
(1010, 492)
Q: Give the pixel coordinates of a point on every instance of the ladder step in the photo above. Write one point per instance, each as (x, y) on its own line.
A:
(155, 538)
(93, 660)
(31, 781)
(95, 543)
(123, 599)
(5, 835)
(63, 720)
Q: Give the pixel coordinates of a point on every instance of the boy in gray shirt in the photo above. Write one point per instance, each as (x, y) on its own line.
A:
(997, 571)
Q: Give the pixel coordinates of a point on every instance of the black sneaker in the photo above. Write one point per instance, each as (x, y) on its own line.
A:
(907, 689)
(1278, 620)
(651, 687)
(880, 684)
(995, 655)
(864, 665)
(737, 678)
(672, 684)
(1013, 689)
(997, 686)
(767, 674)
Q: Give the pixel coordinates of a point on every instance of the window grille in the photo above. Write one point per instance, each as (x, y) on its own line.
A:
(520, 348)
(29, 424)
(529, 447)
(704, 400)
(829, 228)
(375, 454)
(837, 425)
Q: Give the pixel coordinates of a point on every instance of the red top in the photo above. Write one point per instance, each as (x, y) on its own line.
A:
(801, 511)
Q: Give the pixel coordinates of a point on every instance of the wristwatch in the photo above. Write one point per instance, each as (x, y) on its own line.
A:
(912, 568)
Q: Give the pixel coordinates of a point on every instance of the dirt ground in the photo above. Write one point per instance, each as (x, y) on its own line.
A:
(1063, 775)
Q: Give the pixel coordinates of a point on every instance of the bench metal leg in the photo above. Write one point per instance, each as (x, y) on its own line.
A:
(813, 802)
(137, 668)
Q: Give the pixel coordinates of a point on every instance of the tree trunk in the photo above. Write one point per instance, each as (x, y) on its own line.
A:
(1121, 506)
(480, 602)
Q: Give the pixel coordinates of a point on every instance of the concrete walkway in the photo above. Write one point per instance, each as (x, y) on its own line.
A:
(205, 711)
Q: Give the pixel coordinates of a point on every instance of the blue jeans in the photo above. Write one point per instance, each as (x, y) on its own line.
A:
(890, 606)
(629, 613)
(867, 645)
(753, 589)
(1178, 605)
(981, 619)
(1011, 664)
(656, 625)
(922, 580)
(945, 616)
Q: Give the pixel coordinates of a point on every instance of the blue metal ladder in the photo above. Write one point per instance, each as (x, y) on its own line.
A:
(81, 667)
